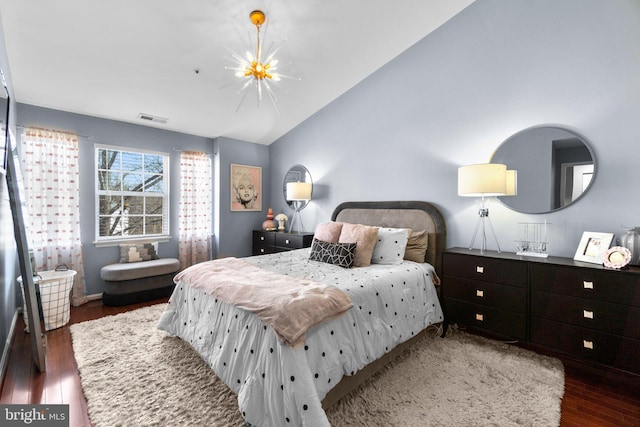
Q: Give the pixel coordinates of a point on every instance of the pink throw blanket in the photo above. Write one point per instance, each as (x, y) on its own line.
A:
(290, 305)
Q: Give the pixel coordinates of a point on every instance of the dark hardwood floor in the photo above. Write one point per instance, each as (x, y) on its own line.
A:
(592, 397)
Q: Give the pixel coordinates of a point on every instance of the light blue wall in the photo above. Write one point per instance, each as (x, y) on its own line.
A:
(234, 229)
(451, 99)
(100, 131)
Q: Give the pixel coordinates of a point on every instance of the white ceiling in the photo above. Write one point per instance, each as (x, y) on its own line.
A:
(116, 59)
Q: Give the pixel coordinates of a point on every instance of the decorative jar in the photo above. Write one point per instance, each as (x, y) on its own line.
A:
(269, 224)
(631, 241)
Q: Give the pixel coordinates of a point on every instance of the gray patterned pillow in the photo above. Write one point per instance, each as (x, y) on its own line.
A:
(136, 252)
(340, 254)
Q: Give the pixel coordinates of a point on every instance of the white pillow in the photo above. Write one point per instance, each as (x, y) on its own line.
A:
(390, 246)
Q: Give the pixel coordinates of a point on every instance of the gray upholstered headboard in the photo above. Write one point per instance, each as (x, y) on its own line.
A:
(416, 215)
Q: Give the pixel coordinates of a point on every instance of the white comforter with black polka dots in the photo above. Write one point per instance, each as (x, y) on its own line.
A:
(278, 385)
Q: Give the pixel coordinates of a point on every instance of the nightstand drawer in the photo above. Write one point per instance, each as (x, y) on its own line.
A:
(264, 238)
(486, 269)
(262, 249)
(490, 319)
(269, 242)
(604, 285)
(606, 317)
(292, 241)
(263, 242)
(499, 296)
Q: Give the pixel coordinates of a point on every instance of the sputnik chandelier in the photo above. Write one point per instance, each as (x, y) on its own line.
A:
(253, 70)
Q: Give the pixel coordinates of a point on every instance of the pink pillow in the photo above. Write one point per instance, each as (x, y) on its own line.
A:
(365, 238)
(328, 231)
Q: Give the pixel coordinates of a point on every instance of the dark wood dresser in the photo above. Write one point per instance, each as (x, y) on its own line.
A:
(269, 242)
(581, 309)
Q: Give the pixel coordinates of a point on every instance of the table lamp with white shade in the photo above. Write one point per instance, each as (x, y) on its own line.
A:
(486, 180)
(298, 193)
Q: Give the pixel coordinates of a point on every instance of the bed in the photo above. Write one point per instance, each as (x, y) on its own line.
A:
(280, 384)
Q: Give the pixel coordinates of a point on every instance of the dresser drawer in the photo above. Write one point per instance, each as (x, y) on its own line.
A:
(586, 343)
(606, 317)
(629, 356)
(486, 269)
(482, 293)
(604, 285)
(491, 319)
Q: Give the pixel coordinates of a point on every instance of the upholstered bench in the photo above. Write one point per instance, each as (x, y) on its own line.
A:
(129, 283)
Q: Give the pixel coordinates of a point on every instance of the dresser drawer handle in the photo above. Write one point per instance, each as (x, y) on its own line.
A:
(262, 238)
(287, 241)
(588, 314)
(479, 293)
(479, 269)
(262, 250)
(587, 285)
(587, 344)
(479, 317)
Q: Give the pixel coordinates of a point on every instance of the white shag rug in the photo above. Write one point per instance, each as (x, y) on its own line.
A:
(133, 375)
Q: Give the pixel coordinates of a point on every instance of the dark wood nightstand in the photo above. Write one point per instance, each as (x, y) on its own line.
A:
(269, 242)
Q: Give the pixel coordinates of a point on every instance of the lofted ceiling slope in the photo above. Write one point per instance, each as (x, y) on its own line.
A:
(116, 59)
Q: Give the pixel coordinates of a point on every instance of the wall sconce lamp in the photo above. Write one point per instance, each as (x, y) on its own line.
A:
(486, 180)
(298, 193)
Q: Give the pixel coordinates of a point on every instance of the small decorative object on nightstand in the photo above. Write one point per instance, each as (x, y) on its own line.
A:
(281, 218)
(269, 225)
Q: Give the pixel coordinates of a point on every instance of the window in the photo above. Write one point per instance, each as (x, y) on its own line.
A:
(132, 194)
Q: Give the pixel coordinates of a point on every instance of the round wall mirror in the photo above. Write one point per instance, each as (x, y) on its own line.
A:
(555, 168)
(297, 173)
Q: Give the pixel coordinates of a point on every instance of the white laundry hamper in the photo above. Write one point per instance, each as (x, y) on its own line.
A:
(54, 297)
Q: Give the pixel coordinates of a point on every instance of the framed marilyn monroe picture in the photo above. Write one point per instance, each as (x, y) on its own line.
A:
(246, 188)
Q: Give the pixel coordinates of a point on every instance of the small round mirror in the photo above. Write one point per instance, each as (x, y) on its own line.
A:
(297, 173)
(555, 167)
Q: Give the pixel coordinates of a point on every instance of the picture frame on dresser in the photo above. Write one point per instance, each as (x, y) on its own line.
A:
(593, 246)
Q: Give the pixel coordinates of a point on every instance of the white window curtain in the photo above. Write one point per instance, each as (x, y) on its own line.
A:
(195, 208)
(51, 182)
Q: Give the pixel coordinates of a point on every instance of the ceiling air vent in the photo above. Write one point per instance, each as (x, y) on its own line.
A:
(150, 118)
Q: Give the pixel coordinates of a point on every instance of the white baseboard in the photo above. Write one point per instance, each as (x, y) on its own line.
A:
(93, 297)
(7, 346)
